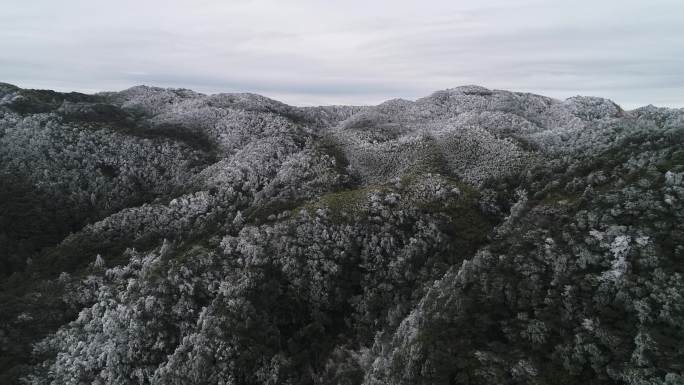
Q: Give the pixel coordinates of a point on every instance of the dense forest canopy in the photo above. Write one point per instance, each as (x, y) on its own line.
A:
(474, 236)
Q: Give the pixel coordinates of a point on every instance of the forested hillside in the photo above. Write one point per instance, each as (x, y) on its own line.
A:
(474, 236)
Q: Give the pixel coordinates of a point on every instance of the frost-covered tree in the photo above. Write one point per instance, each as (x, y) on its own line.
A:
(473, 236)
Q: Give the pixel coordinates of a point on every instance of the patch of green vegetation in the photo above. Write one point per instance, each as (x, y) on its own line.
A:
(465, 224)
(257, 215)
(344, 204)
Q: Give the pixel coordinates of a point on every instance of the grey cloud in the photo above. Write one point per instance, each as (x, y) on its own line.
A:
(357, 52)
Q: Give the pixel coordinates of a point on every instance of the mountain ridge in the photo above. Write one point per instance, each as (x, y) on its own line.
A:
(472, 89)
(471, 236)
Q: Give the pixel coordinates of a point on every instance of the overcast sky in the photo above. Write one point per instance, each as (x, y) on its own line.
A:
(309, 52)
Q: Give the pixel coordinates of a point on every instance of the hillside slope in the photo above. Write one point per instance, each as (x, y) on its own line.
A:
(474, 236)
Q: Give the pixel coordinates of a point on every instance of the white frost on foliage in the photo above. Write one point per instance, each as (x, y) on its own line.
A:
(619, 266)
